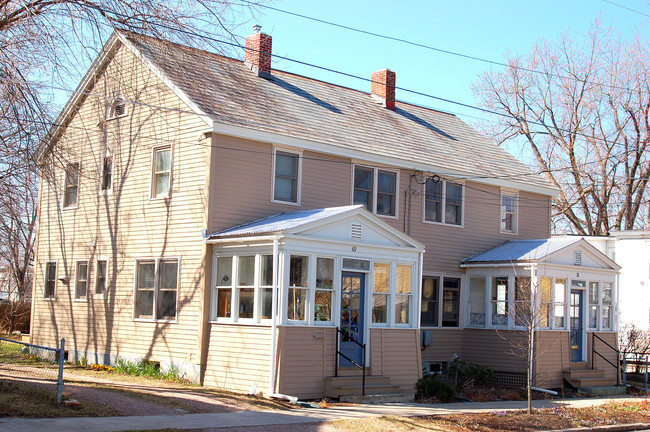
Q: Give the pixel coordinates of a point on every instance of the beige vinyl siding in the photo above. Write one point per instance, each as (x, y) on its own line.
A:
(395, 353)
(238, 357)
(124, 224)
(552, 356)
(445, 343)
(499, 351)
(305, 359)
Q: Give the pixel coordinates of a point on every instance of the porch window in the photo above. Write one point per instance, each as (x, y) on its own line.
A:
(523, 315)
(450, 302)
(500, 301)
(545, 302)
(224, 287)
(593, 305)
(266, 286)
(380, 293)
(476, 301)
(607, 306)
(560, 299)
(81, 281)
(403, 294)
(246, 286)
(430, 302)
(324, 289)
(298, 287)
(156, 289)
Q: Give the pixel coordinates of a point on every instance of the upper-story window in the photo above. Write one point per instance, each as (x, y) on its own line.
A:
(286, 180)
(118, 108)
(443, 202)
(508, 212)
(376, 190)
(162, 172)
(71, 193)
(106, 183)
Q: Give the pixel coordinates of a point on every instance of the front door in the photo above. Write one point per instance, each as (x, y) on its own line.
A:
(352, 294)
(576, 337)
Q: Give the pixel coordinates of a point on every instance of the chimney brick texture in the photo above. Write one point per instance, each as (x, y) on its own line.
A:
(258, 54)
(383, 88)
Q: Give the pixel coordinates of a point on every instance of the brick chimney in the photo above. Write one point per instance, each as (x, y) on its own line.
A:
(383, 88)
(258, 53)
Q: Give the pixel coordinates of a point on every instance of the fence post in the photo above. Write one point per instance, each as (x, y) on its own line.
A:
(624, 371)
(59, 384)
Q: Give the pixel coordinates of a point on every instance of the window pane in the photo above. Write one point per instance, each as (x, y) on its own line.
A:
(167, 284)
(325, 273)
(224, 271)
(560, 290)
(163, 160)
(593, 293)
(607, 293)
(246, 302)
(162, 184)
(500, 301)
(286, 165)
(285, 189)
(404, 279)
(607, 321)
(355, 264)
(144, 304)
(386, 185)
(266, 272)
(545, 301)
(82, 280)
(453, 200)
(381, 277)
(454, 194)
(298, 271)
(144, 290)
(385, 204)
(146, 273)
(477, 301)
(380, 308)
(323, 306)
(224, 302)
(168, 275)
(107, 170)
(296, 307)
(267, 303)
(246, 271)
(402, 303)
(166, 305)
(450, 302)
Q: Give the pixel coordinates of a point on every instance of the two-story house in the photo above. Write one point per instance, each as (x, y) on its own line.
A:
(243, 224)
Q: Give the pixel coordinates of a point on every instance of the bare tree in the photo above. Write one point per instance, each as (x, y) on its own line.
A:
(582, 109)
(634, 344)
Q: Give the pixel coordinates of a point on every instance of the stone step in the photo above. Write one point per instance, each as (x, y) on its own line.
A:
(378, 398)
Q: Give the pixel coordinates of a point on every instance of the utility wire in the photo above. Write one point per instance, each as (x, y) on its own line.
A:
(606, 1)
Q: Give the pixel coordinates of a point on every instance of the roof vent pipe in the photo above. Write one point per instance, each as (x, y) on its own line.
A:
(383, 88)
(258, 53)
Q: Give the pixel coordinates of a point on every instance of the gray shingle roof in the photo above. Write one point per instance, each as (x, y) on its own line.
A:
(304, 108)
(521, 251)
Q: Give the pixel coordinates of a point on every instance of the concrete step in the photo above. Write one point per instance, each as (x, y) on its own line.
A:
(352, 371)
(583, 373)
(580, 378)
(335, 387)
(595, 382)
(603, 390)
(378, 398)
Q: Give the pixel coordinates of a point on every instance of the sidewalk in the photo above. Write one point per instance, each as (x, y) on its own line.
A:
(262, 418)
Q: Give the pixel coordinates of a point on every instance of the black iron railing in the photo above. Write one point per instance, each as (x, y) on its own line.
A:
(361, 366)
(595, 353)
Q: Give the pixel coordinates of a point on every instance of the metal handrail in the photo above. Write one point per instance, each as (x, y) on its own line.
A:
(594, 336)
(357, 365)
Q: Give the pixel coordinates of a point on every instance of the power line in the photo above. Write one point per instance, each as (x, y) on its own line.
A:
(431, 48)
(606, 1)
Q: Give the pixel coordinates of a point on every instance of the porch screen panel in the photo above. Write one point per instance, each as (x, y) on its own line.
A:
(523, 314)
(430, 310)
(380, 293)
(245, 286)
(500, 301)
(477, 301)
(593, 305)
(224, 287)
(298, 287)
(545, 301)
(403, 294)
(266, 286)
(324, 289)
(607, 305)
(560, 299)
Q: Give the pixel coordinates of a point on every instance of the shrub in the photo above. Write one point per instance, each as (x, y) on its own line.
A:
(14, 316)
(432, 387)
(471, 373)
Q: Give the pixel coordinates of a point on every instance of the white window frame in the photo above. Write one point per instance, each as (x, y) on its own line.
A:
(66, 205)
(313, 261)
(375, 188)
(298, 176)
(156, 261)
(411, 297)
(389, 297)
(77, 297)
(118, 100)
(96, 277)
(153, 195)
(515, 211)
(443, 204)
(45, 281)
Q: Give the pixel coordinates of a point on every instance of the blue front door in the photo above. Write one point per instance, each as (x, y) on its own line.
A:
(576, 338)
(352, 303)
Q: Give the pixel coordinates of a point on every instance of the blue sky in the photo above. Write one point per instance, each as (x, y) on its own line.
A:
(485, 29)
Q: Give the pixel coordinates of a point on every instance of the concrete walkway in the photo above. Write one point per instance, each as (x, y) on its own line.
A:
(262, 418)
